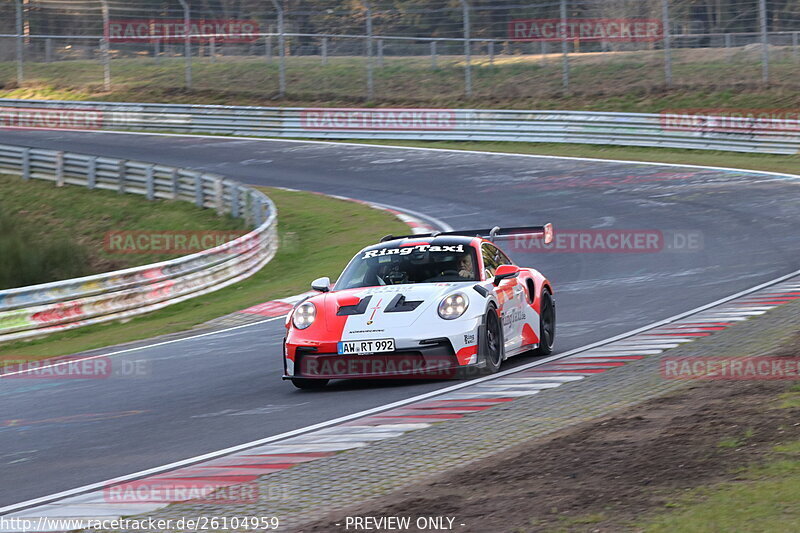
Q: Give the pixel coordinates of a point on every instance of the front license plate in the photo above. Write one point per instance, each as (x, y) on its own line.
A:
(362, 347)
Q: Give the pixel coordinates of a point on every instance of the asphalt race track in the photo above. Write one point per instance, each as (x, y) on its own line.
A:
(722, 232)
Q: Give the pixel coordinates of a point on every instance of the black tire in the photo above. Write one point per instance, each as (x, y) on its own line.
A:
(491, 344)
(547, 325)
(309, 384)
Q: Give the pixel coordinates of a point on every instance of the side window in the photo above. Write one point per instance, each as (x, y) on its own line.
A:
(490, 263)
(502, 259)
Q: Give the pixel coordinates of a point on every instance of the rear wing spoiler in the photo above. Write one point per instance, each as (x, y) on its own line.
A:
(545, 232)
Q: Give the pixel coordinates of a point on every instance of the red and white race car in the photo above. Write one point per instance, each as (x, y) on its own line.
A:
(422, 306)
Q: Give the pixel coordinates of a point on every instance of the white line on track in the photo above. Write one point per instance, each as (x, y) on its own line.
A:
(212, 455)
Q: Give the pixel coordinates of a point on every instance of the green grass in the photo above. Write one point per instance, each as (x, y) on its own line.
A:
(318, 236)
(614, 81)
(736, 442)
(791, 399)
(762, 498)
(68, 225)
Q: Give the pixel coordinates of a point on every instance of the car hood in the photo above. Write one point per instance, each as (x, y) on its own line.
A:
(385, 309)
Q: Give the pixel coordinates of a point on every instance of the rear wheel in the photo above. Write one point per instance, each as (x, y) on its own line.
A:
(547, 325)
(309, 384)
(492, 342)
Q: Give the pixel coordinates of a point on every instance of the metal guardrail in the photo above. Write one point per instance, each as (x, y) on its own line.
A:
(693, 131)
(40, 309)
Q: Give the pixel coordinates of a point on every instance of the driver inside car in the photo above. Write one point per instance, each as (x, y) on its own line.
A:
(466, 269)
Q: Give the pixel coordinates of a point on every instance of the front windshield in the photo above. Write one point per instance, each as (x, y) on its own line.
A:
(414, 263)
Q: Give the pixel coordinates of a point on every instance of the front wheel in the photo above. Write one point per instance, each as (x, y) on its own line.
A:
(547, 325)
(492, 343)
(309, 384)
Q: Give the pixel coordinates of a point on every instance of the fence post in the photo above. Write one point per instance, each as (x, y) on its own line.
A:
(104, 52)
(795, 49)
(491, 52)
(564, 47)
(762, 16)
(149, 182)
(212, 50)
(324, 51)
(187, 43)
(729, 45)
(59, 169)
(268, 48)
(370, 78)
(157, 50)
(467, 50)
(26, 164)
(281, 51)
(667, 43)
(91, 179)
(20, 59)
(380, 53)
(433, 55)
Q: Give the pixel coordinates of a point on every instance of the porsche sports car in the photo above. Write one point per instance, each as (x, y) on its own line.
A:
(429, 306)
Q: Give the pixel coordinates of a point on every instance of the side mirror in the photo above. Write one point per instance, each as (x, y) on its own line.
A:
(321, 284)
(505, 272)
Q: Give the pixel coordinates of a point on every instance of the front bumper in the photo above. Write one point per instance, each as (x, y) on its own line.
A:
(435, 359)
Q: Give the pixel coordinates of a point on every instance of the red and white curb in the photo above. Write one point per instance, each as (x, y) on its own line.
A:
(246, 464)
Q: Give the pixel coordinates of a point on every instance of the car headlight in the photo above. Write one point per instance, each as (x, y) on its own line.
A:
(304, 315)
(453, 306)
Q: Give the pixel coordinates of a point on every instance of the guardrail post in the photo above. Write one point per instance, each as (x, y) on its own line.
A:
(59, 169)
(26, 164)
(91, 173)
(104, 51)
(235, 190)
(491, 52)
(324, 51)
(122, 168)
(268, 48)
(157, 51)
(467, 49)
(762, 19)
(219, 197)
(433, 55)
(380, 53)
(175, 181)
(795, 48)
(187, 43)
(149, 182)
(198, 190)
(281, 50)
(212, 50)
(20, 52)
(48, 50)
(667, 43)
(564, 47)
